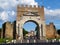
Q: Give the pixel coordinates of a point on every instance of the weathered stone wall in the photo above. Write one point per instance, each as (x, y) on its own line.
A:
(7, 30)
(50, 31)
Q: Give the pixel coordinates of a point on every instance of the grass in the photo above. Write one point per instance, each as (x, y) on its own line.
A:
(53, 38)
(3, 40)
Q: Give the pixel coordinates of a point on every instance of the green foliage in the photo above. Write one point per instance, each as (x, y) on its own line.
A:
(8, 39)
(53, 38)
(36, 29)
(50, 38)
(24, 32)
(54, 27)
(58, 31)
(3, 40)
(0, 29)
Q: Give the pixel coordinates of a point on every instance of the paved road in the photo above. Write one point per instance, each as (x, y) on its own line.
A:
(35, 41)
(56, 43)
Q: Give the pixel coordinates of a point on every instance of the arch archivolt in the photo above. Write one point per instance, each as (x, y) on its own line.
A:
(27, 18)
(24, 19)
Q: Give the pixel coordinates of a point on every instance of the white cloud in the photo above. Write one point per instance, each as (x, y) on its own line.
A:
(52, 16)
(28, 2)
(4, 3)
(6, 16)
(51, 12)
(12, 3)
(13, 13)
(8, 3)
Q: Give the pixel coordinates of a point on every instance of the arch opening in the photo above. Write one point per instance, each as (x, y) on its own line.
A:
(30, 29)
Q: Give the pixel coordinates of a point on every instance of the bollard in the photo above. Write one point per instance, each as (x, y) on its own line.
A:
(21, 41)
(34, 41)
(6, 40)
(14, 41)
(53, 40)
(59, 40)
(47, 41)
(27, 41)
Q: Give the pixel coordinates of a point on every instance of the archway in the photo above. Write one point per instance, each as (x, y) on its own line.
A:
(31, 29)
(30, 14)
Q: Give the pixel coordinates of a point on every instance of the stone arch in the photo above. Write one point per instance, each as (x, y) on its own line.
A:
(38, 28)
(31, 21)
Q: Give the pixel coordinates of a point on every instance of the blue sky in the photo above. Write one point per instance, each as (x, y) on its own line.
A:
(29, 26)
(51, 8)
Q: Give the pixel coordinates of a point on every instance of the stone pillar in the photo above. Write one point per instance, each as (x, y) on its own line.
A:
(17, 29)
(44, 31)
(21, 31)
(40, 33)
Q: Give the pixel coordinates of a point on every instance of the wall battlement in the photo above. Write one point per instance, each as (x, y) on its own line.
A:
(29, 6)
(21, 9)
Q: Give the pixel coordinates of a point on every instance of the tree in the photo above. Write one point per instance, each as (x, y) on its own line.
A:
(0, 32)
(36, 29)
(24, 32)
(0, 29)
(58, 31)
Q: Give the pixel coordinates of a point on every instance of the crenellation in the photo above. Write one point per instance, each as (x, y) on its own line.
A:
(28, 6)
(22, 6)
(38, 6)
